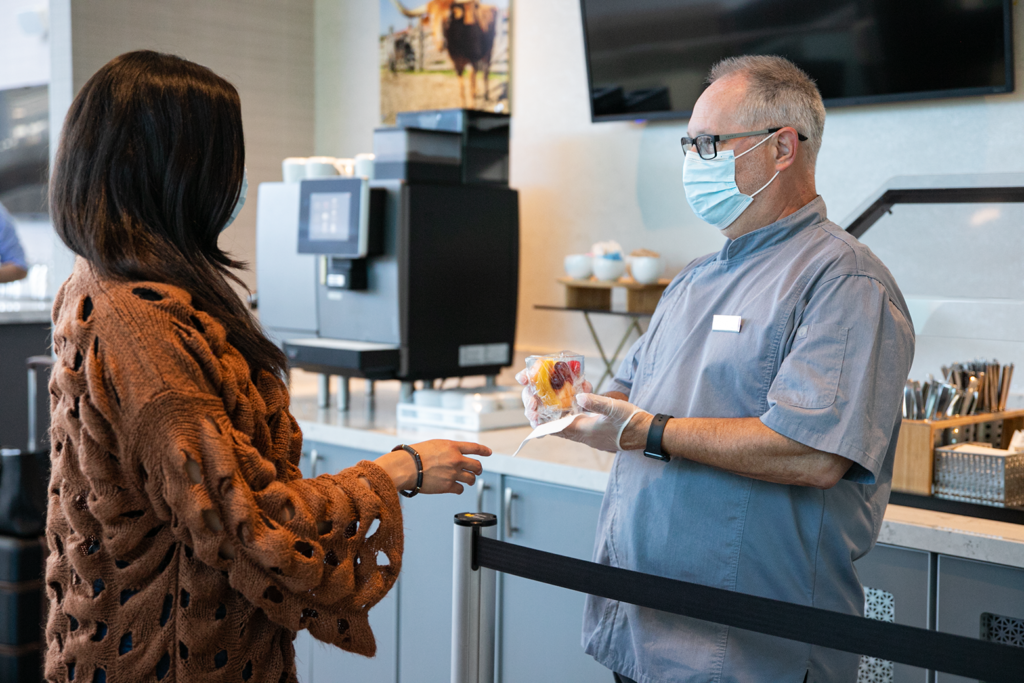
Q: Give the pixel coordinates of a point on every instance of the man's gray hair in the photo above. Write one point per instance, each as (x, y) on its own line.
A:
(779, 93)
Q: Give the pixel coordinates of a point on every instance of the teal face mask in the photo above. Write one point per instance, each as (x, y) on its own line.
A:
(240, 202)
(710, 186)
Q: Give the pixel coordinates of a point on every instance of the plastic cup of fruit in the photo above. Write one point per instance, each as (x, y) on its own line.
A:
(554, 380)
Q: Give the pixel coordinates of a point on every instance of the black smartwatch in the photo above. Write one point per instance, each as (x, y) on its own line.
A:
(654, 435)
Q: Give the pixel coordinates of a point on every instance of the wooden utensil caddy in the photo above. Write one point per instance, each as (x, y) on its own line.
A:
(596, 295)
(915, 451)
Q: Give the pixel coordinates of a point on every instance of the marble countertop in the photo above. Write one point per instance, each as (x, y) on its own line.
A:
(22, 311)
(558, 461)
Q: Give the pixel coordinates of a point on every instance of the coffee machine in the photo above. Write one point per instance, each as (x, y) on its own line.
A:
(412, 275)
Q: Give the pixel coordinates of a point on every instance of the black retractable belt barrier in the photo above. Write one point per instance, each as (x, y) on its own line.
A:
(978, 659)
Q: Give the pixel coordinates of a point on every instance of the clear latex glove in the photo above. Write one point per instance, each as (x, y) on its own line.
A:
(602, 425)
(531, 402)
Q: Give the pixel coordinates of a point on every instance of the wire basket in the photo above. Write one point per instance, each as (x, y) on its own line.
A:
(987, 479)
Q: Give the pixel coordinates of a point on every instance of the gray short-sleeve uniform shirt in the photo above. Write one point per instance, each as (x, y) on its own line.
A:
(823, 352)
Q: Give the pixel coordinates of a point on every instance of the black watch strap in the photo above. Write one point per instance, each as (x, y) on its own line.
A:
(654, 436)
(419, 469)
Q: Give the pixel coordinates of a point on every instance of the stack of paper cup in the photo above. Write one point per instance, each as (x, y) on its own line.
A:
(346, 167)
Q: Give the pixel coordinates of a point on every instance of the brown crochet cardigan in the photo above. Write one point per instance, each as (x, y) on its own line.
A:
(168, 460)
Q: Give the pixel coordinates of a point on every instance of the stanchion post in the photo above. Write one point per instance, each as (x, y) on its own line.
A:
(467, 600)
(488, 612)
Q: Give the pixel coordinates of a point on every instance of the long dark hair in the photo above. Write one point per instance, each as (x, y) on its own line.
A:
(148, 169)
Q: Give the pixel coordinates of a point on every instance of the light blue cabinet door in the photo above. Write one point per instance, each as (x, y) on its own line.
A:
(897, 584)
(540, 625)
(979, 600)
(323, 663)
(425, 596)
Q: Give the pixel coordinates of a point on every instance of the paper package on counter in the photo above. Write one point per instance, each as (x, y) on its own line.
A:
(980, 449)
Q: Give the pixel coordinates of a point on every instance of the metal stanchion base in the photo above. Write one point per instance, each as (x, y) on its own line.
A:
(323, 390)
(473, 603)
(343, 394)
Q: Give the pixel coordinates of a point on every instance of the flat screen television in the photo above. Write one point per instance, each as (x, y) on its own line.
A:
(648, 59)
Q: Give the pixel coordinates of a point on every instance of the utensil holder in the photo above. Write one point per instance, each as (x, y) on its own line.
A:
(982, 478)
(914, 466)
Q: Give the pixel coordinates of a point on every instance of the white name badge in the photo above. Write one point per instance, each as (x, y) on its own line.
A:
(726, 323)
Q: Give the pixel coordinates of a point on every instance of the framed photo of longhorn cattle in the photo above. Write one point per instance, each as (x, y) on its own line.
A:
(444, 54)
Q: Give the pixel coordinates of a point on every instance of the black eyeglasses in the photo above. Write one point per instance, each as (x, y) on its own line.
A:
(707, 145)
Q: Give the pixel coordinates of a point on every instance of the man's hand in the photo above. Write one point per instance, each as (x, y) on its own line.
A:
(530, 400)
(609, 425)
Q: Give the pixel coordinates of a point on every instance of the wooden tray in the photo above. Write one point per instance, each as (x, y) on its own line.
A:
(596, 295)
(915, 451)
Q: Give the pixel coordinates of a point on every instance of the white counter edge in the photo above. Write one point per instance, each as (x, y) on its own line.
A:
(926, 530)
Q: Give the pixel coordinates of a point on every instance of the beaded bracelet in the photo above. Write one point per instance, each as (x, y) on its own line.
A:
(419, 468)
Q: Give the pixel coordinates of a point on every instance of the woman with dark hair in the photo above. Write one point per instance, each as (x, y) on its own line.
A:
(184, 543)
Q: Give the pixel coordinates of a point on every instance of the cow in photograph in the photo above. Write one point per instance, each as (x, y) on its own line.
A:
(466, 29)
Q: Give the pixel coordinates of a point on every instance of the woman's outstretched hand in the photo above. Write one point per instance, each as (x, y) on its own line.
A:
(445, 467)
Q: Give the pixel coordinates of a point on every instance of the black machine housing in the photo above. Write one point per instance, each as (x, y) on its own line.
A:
(437, 297)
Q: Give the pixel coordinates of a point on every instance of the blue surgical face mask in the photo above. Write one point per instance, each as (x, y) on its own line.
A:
(240, 202)
(710, 186)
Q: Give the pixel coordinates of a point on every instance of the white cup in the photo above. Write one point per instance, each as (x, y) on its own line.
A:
(453, 399)
(578, 266)
(510, 400)
(480, 403)
(364, 165)
(346, 167)
(427, 398)
(646, 269)
(293, 169)
(608, 269)
(321, 167)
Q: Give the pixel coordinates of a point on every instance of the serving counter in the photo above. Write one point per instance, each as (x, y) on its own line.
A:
(930, 569)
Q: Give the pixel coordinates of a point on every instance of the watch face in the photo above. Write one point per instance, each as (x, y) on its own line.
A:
(658, 456)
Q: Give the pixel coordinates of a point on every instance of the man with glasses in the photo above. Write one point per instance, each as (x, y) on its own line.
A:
(755, 422)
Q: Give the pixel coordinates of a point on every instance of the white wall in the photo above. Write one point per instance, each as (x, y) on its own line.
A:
(264, 47)
(347, 77)
(581, 182)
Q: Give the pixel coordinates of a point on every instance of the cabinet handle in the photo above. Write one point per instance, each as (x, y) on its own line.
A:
(314, 458)
(481, 486)
(509, 497)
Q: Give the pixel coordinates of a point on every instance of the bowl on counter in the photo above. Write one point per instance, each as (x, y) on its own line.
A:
(578, 266)
(608, 269)
(646, 269)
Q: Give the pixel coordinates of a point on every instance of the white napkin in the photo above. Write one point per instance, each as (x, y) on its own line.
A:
(548, 428)
(1017, 442)
(979, 450)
